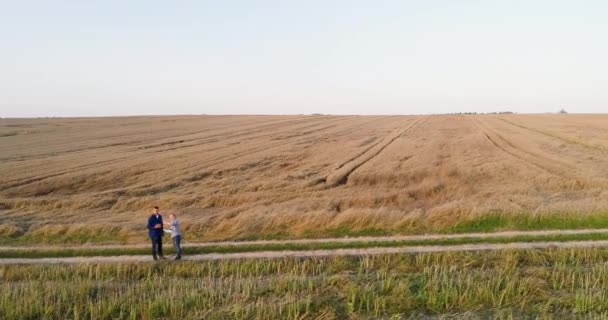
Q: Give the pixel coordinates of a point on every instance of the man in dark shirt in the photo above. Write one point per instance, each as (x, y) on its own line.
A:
(155, 231)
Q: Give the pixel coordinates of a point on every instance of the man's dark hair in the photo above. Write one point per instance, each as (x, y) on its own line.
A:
(155, 207)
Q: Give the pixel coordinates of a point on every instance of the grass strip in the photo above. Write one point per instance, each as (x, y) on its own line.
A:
(488, 222)
(525, 222)
(89, 252)
(510, 284)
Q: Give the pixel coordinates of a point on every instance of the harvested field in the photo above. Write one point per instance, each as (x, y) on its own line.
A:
(236, 177)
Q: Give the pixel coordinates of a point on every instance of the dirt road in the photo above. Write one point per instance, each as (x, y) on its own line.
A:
(320, 253)
(503, 234)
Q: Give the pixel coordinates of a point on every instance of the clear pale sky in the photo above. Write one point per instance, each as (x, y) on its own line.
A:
(94, 58)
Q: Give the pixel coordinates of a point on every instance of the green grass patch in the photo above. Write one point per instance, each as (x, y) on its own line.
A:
(347, 232)
(491, 222)
(500, 221)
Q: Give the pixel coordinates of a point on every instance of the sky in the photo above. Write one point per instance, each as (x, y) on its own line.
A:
(108, 58)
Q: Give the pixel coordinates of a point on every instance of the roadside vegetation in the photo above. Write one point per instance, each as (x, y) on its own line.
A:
(490, 222)
(546, 284)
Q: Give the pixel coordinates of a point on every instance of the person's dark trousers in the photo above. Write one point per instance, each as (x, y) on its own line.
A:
(157, 246)
(177, 245)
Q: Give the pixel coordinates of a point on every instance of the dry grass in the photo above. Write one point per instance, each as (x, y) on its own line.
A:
(252, 176)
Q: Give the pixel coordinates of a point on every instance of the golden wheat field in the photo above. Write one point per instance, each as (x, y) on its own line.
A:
(232, 177)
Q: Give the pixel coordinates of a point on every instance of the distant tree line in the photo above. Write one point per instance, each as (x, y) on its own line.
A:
(474, 113)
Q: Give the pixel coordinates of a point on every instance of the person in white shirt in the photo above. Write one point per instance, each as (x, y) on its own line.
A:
(176, 235)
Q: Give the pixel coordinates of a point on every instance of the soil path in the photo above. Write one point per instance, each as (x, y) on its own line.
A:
(320, 253)
(422, 237)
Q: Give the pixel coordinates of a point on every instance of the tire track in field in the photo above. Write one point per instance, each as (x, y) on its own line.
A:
(362, 152)
(79, 146)
(340, 175)
(250, 132)
(323, 253)
(253, 130)
(311, 123)
(297, 137)
(25, 181)
(359, 154)
(573, 155)
(267, 126)
(530, 158)
(208, 164)
(264, 133)
(601, 149)
(348, 129)
(271, 145)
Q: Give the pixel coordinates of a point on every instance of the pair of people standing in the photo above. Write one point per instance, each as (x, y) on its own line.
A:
(156, 232)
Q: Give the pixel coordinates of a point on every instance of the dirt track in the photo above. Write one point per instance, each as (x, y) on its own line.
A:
(485, 235)
(320, 253)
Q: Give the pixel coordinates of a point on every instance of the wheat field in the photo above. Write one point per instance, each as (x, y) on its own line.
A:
(235, 177)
